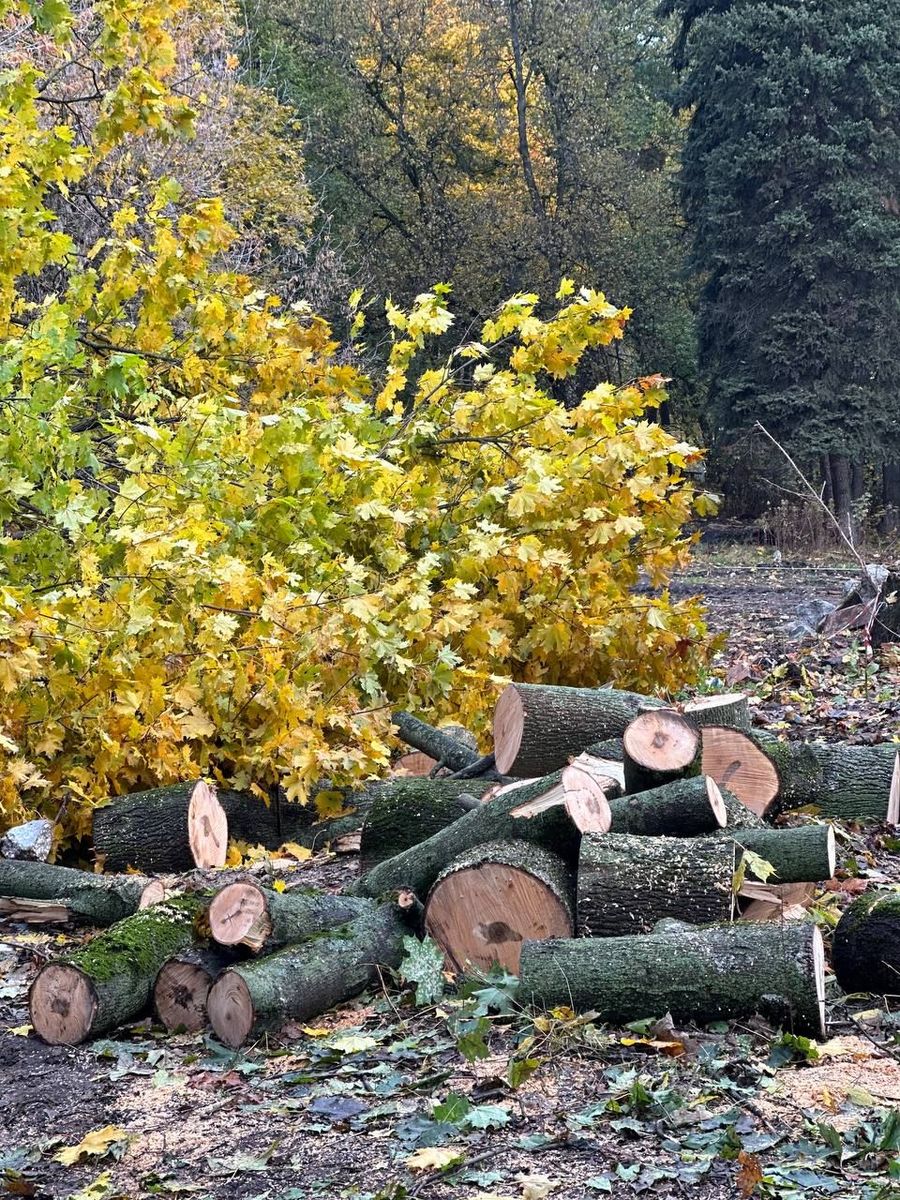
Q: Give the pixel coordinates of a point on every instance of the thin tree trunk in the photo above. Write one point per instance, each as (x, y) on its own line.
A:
(841, 492)
(890, 483)
(827, 489)
(857, 481)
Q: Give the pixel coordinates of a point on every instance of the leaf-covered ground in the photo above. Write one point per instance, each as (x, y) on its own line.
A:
(469, 1097)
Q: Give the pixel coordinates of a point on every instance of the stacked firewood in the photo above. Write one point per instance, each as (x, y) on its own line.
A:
(614, 852)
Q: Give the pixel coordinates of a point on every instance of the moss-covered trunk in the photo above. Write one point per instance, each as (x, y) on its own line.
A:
(866, 952)
(684, 808)
(88, 898)
(408, 811)
(800, 855)
(263, 920)
(847, 782)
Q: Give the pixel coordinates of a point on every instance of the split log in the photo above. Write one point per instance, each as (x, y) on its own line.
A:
(43, 894)
(769, 775)
(720, 972)
(537, 727)
(732, 709)
(408, 811)
(441, 746)
(489, 901)
(659, 746)
(302, 981)
(683, 808)
(866, 950)
(587, 804)
(108, 982)
(626, 884)
(245, 914)
(804, 853)
(418, 867)
(775, 902)
(166, 829)
(182, 986)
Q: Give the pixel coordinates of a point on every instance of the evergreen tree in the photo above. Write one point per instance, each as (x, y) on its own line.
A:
(791, 184)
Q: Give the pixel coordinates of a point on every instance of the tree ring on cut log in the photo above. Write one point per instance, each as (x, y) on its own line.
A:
(509, 722)
(239, 912)
(230, 1009)
(734, 762)
(63, 1003)
(661, 740)
(207, 827)
(153, 893)
(818, 952)
(179, 995)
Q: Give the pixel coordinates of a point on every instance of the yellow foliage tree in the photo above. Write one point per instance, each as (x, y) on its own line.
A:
(227, 549)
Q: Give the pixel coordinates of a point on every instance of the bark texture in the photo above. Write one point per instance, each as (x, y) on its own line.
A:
(440, 745)
(866, 951)
(732, 710)
(799, 855)
(609, 748)
(88, 898)
(721, 972)
(408, 811)
(248, 915)
(680, 809)
(147, 830)
(848, 782)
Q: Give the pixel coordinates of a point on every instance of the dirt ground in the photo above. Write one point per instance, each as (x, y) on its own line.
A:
(370, 1101)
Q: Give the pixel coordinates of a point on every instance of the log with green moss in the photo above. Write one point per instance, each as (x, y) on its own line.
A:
(166, 829)
(866, 949)
(108, 982)
(439, 745)
(659, 746)
(626, 884)
(245, 914)
(418, 867)
(40, 893)
(683, 808)
(805, 853)
(539, 727)
(721, 972)
(302, 981)
(408, 811)
(183, 983)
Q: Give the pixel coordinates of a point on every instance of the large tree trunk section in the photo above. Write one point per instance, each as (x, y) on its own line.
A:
(166, 829)
(732, 710)
(44, 894)
(886, 621)
(181, 987)
(626, 884)
(538, 728)
(805, 853)
(418, 867)
(495, 897)
(439, 745)
(408, 811)
(866, 951)
(108, 981)
(735, 762)
(253, 820)
(722, 972)
(739, 815)
(683, 808)
(659, 746)
(304, 980)
(245, 914)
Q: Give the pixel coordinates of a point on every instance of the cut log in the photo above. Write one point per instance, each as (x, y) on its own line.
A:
(182, 985)
(805, 853)
(418, 867)
(166, 829)
(441, 746)
(866, 949)
(721, 972)
(304, 980)
(659, 746)
(495, 897)
(408, 811)
(732, 709)
(683, 808)
(626, 884)
(253, 820)
(108, 982)
(584, 791)
(245, 914)
(609, 749)
(538, 728)
(40, 893)
(769, 775)
(739, 815)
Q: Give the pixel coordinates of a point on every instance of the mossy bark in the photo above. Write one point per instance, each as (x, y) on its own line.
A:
(441, 746)
(608, 748)
(121, 964)
(626, 884)
(408, 811)
(720, 972)
(288, 917)
(418, 867)
(732, 711)
(91, 899)
(866, 950)
(302, 981)
(678, 809)
(799, 855)
(147, 830)
(739, 815)
(852, 783)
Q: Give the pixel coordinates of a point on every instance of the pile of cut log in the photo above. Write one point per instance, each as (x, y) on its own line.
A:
(615, 852)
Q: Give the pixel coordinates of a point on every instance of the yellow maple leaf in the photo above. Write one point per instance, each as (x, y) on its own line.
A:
(21, 1030)
(98, 1142)
(433, 1158)
(279, 885)
(295, 850)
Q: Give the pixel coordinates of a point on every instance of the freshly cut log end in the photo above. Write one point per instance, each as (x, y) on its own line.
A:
(239, 915)
(63, 1004)
(683, 808)
(207, 828)
(582, 790)
(415, 764)
(732, 709)
(866, 950)
(735, 763)
(248, 915)
(509, 726)
(776, 902)
(490, 901)
(166, 829)
(659, 746)
(893, 812)
(153, 893)
(230, 1009)
(182, 986)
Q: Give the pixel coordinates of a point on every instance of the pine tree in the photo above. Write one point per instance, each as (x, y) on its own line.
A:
(791, 184)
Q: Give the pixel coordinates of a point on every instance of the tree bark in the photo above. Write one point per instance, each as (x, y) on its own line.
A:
(659, 746)
(857, 481)
(803, 854)
(408, 811)
(167, 829)
(827, 489)
(722, 972)
(610, 749)
(538, 728)
(732, 710)
(441, 746)
(183, 983)
(886, 621)
(245, 914)
(305, 980)
(40, 893)
(626, 884)
(890, 497)
(842, 494)
(493, 898)
(108, 981)
(866, 951)
(683, 808)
